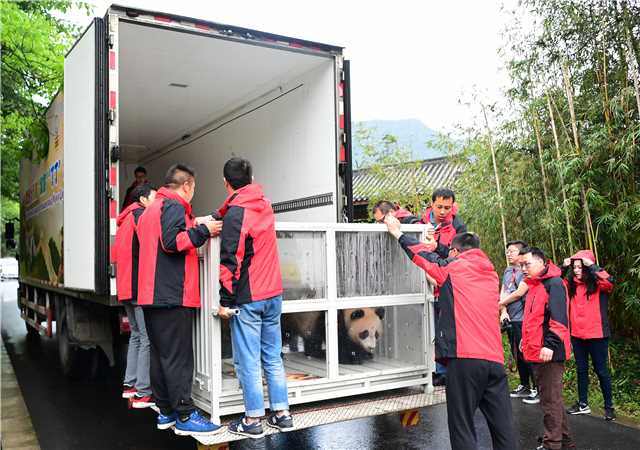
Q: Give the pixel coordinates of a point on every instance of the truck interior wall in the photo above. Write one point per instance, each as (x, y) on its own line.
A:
(282, 117)
(289, 141)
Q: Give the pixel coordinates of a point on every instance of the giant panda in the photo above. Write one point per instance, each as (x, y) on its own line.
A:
(359, 330)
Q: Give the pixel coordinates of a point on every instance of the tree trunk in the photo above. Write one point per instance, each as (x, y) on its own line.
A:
(536, 128)
(495, 172)
(560, 176)
(569, 92)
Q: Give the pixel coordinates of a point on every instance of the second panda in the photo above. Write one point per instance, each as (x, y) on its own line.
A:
(359, 330)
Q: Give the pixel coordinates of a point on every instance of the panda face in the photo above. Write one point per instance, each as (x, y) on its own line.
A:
(364, 326)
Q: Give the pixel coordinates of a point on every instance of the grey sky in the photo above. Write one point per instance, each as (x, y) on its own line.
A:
(410, 59)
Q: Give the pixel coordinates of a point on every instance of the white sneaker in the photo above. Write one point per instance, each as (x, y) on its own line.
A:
(533, 398)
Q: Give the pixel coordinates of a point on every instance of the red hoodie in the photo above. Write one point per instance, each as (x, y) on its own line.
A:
(404, 216)
(446, 230)
(468, 324)
(127, 248)
(249, 262)
(169, 272)
(545, 322)
(588, 312)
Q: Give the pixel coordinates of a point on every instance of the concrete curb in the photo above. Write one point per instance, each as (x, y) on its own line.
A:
(17, 429)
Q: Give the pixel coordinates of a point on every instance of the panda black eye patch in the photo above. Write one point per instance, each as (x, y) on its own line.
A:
(357, 314)
(380, 312)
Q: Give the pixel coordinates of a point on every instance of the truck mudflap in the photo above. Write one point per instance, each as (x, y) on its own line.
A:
(340, 410)
(88, 326)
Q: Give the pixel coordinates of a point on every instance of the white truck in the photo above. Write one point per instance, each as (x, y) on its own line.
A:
(152, 89)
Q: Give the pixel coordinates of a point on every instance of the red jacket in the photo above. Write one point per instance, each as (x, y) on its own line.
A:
(545, 322)
(588, 312)
(169, 272)
(405, 216)
(249, 262)
(468, 325)
(446, 230)
(127, 248)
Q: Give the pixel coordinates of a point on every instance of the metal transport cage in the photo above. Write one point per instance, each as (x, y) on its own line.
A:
(329, 271)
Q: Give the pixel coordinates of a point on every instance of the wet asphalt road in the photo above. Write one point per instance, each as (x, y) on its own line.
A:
(82, 414)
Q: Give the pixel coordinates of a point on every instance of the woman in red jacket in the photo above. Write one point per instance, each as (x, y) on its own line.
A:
(589, 287)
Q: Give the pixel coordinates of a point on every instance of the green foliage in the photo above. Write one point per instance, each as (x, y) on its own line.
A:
(34, 40)
(386, 161)
(596, 45)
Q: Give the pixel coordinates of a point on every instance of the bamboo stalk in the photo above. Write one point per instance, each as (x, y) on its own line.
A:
(635, 71)
(495, 172)
(589, 225)
(563, 187)
(569, 92)
(536, 128)
(607, 112)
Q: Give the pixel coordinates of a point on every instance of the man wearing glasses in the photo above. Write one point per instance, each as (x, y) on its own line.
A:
(512, 297)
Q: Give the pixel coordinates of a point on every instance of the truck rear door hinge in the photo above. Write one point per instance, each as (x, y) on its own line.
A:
(341, 75)
(112, 115)
(115, 153)
(110, 40)
(111, 192)
(112, 270)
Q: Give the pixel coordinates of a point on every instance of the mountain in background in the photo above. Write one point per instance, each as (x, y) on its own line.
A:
(412, 134)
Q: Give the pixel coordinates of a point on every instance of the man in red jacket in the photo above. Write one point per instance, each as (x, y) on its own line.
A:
(140, 178)
(250, 281)
(168, 289)
(545, 343)
(137, 386)
(384, 207)
(467, 337)
(443, 215)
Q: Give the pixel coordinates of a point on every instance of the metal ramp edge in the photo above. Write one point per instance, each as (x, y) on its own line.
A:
(355, 409)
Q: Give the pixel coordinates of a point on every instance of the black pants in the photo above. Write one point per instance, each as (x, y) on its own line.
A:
(524, 368)
(598, 350)
(473, 384)
(171, 370)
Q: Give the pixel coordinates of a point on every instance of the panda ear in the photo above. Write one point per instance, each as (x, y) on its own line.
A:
(357, 314)
(380, 312)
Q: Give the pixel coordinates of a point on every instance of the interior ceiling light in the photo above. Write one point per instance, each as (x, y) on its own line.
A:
(180, 85)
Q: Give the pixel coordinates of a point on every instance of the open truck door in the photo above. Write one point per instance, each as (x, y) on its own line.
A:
(85, 162)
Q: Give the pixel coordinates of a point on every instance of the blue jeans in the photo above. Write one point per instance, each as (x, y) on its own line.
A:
(256, 338)
(598, 349)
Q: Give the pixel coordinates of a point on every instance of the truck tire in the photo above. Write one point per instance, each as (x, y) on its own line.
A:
(69, 353)
(32, 333)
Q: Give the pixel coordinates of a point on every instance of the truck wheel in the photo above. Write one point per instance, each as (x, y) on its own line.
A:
(69, 353)
(32, 333)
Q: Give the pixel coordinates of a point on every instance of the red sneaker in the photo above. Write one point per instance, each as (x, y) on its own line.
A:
(142, 402)
(128, 391)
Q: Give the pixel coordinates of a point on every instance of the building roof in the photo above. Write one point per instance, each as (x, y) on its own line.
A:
(429, 174)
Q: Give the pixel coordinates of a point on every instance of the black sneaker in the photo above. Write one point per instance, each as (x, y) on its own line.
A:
(282, 423)
(579, 408)
(533, 398)
(439, 379)
(609, 414)
(567, 444)
(520, 392)
(253, 431)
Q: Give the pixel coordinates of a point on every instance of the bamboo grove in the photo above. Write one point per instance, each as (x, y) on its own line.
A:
(562, 167)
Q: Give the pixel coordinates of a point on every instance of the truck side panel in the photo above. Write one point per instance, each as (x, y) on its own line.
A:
(41, 198)
(85, 208)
